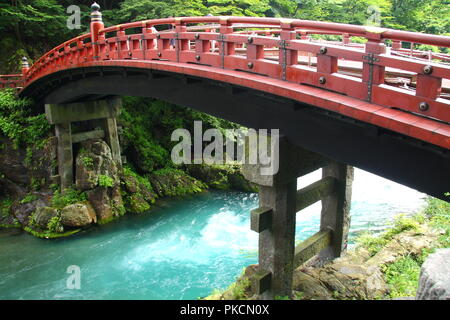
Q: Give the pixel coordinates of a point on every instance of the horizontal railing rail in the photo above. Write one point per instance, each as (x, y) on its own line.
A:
(276, 48)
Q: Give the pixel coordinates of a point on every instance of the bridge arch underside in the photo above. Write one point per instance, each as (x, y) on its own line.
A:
(397, 157)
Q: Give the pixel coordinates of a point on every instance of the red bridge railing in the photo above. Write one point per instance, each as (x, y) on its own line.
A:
(275, 48)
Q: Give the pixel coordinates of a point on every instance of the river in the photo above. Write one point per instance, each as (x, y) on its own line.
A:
(183, 249)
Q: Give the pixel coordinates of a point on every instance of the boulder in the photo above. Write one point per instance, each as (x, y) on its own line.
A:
(221, 177)
(434, 281)
(42, 216)
(101, 202)
(77, 215)
(93, 160)
(87, 171)
(23, 211)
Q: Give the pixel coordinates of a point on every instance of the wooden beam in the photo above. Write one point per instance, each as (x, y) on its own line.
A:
(82, 111)
(261, 219)
(263, 281)
(311, 247)
(315, 192)
(83, 136)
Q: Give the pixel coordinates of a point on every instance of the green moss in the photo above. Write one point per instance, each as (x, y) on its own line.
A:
(170, 182)
(106, 221)
(11, 226)
(50, 235)
(137, 204)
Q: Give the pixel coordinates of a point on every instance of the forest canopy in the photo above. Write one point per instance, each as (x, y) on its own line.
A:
(32, 27)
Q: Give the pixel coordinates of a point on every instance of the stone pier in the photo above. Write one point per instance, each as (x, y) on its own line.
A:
(279, 201)
(102, 116)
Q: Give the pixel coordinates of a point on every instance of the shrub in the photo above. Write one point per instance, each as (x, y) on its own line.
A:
(54, 225)
(70, 196)
(28, 198)
(17, 123)
(105, 181)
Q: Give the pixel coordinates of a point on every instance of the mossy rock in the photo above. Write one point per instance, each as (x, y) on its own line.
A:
(173, 182)
(223, 177)
(43, 215)
(136, 203)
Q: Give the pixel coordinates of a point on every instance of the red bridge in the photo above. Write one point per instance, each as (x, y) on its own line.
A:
(375, 105)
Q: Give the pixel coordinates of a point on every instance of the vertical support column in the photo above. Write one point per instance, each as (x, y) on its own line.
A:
(65, 154)
(277, 244)
(112, 138)
(336, 208)
(274, 220)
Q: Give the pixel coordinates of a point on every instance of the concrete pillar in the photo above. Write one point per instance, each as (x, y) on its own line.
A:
(65, 154)
(277, 244)
(336, 208)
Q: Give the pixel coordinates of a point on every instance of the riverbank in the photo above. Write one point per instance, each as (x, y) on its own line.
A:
(103, 189)
(383, 266)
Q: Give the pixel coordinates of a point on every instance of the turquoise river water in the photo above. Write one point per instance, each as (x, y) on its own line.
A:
(182, 250)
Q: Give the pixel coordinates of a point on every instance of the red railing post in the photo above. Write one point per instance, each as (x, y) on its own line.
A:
(396, 45)
(180, 44)
(96, 26)
(287, 57)
(373, 74)
(346, 39)
(226, 48)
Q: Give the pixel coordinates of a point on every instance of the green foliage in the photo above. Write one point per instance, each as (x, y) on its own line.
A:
(54, 225)
(238, 289)
(5, 207)
(438, 212)
(17, 124)
(105, 181)
(374, 243)
(371, 242)
(87, 161)
(174, 182)
(402, 277)
(70, 196)
(148, 125)
(32, 27)
(29, 198)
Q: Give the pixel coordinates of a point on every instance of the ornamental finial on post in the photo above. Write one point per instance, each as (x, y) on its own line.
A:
(25, 65)
(96, 15)
(96, 26)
